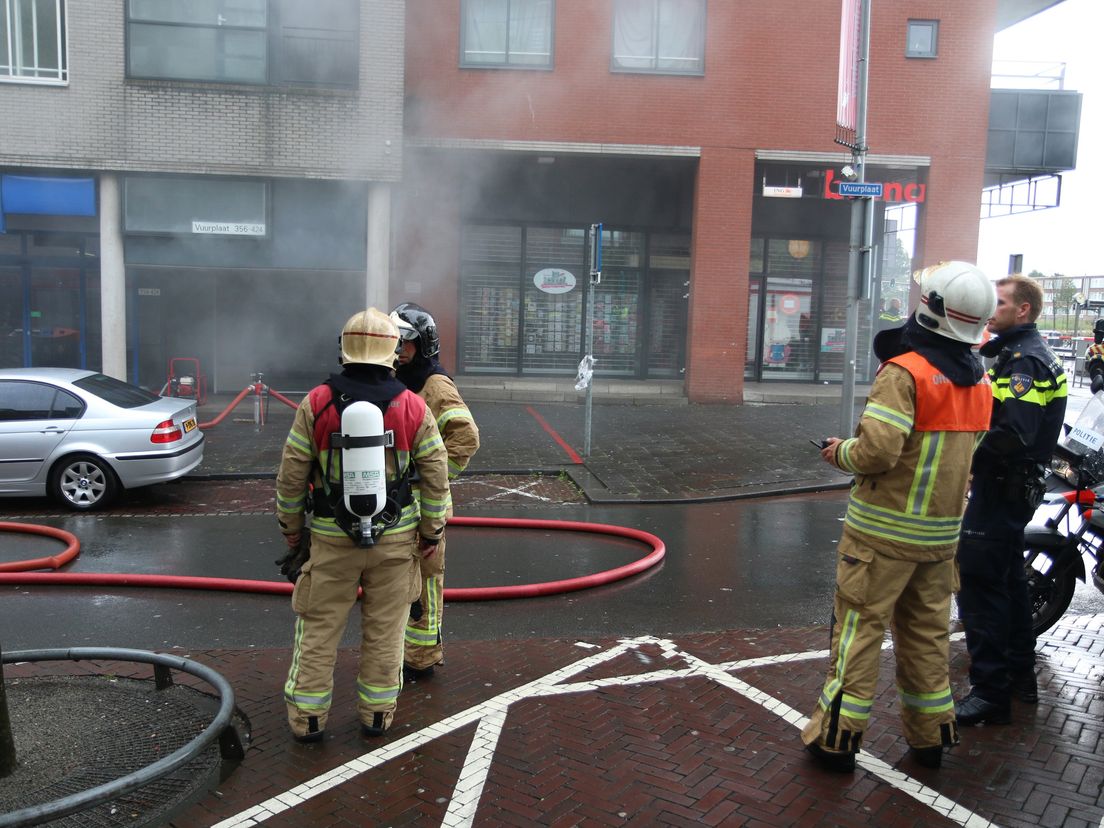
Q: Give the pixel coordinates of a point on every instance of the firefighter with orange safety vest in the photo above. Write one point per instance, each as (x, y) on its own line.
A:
(420, 371)
(380, 556)
(927, 409)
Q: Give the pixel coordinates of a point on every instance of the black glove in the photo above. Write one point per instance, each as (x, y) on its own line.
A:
(416, 611)
(291, 565)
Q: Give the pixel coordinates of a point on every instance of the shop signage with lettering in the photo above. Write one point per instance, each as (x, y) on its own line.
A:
(228, 228)
(891, 190)
(554, 280)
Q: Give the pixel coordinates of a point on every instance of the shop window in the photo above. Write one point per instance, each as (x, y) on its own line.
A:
(664, 36)
(244, 41)
(923, 39)
(195, 206)
(506, 33)
(33, 41)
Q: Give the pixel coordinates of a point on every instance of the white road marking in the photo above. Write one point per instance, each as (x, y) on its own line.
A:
(491, 716)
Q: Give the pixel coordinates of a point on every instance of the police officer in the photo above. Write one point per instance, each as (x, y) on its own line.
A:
(927, 408)
(386, 572)
(1029, 405)
(421, 372)
(1094, 357)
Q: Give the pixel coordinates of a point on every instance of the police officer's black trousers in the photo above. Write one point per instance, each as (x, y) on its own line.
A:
(993, 602)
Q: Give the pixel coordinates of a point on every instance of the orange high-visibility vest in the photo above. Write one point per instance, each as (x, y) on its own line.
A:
(940, 404)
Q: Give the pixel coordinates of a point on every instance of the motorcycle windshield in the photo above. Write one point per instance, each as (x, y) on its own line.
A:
(1087, 434)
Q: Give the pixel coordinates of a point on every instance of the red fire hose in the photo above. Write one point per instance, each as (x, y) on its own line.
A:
(245, 392)
(16, 572)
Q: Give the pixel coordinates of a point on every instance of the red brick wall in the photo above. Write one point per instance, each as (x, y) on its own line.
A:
(719, 264)
(769, 83)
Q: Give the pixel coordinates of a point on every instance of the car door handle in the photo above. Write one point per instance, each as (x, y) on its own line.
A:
(51, 430)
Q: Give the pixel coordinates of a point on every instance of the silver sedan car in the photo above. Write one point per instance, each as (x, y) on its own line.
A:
(81, 437)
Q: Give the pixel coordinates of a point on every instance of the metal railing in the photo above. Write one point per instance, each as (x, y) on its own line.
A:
(220, 729)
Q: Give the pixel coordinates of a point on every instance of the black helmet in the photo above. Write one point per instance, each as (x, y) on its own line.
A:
(415, 322)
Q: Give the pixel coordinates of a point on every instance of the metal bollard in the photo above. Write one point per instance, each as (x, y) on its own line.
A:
(7, 743)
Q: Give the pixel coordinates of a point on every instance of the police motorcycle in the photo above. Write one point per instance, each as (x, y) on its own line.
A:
(1065, 540)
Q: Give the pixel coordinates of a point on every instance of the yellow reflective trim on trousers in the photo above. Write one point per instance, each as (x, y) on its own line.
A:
(301, 699)
(889, 416)
(371, 694)
(927, 472)
(848, 632)
(428, 636)
(856, 708)
(939, 702)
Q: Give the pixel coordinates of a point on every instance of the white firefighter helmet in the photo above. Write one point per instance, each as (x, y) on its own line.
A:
(369, 338)
(956, 301)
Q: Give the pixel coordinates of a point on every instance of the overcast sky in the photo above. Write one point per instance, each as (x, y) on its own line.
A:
(1070, 238)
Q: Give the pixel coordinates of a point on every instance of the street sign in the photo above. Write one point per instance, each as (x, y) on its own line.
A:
(861, 189)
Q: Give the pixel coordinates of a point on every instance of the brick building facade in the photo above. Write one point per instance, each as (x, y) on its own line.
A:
(682, 150)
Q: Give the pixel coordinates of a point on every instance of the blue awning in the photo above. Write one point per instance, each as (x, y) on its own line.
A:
(46, 196)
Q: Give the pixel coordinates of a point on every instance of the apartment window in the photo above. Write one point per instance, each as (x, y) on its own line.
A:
(666, 36)
(245, 41)
(32, 41)
(923, 39)
(506, 33)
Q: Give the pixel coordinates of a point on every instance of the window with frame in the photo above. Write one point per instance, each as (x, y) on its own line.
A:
(33, 41)
(245, 41)
(663, 36)
(506, 33)
(923, 39)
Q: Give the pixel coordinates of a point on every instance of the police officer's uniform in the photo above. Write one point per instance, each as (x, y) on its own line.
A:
(1029, 405)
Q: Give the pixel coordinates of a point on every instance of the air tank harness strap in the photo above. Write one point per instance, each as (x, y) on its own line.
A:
(343, 441)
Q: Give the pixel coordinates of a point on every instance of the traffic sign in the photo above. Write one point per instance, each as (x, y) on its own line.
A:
(861, 189)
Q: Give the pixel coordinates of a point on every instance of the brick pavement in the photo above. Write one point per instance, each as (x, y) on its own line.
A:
(698, 731)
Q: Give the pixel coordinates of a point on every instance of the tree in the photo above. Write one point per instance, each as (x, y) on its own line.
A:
(1063, 295)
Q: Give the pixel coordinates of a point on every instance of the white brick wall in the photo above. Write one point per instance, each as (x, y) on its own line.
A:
(104, 121)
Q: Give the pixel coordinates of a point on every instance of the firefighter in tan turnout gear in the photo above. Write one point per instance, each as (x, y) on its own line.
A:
(419, 371)
(385, 565)
(927, 410)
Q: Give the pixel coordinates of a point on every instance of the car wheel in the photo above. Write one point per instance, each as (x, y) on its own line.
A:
(83, 482)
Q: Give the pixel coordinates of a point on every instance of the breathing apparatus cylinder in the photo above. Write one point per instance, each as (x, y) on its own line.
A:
(363, 464)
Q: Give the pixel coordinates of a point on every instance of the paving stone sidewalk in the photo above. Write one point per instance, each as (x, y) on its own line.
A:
(701, 730)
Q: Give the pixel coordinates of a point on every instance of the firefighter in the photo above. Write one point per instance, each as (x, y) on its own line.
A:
(1094, 357)
(1029, 406)
(386, 571)
(927, 408)
(420, 371)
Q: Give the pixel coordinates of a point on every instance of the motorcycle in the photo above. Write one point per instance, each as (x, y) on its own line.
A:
(1071, 532)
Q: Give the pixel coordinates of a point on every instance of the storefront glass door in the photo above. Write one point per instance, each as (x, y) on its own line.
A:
(789, 347)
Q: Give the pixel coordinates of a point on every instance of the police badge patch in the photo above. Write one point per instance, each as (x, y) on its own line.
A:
(1020, 384)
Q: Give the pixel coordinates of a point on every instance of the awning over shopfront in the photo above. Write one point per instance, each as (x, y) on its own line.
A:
(46, 196)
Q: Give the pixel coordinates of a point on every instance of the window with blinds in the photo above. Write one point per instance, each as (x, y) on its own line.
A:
(509, 324)
(489, 299)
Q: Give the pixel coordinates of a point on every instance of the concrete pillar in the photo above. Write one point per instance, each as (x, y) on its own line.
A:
(379, 246)
(112, 279)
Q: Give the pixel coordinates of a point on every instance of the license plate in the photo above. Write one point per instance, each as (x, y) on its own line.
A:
(189, 424)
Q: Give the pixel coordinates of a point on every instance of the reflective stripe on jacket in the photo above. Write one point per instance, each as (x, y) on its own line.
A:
(910, 482)
(417, 441)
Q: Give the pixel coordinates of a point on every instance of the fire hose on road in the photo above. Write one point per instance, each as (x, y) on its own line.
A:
(21, 572)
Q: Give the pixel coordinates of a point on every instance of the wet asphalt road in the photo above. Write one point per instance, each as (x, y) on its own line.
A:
(729, 565)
